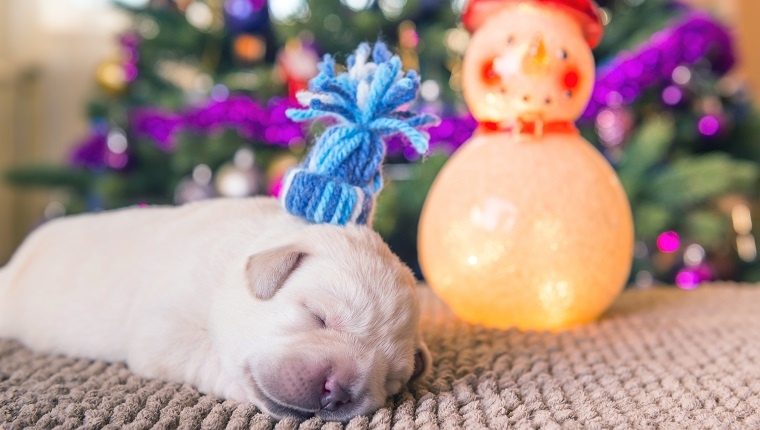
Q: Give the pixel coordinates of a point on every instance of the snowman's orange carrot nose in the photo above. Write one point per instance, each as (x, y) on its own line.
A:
(536, 60)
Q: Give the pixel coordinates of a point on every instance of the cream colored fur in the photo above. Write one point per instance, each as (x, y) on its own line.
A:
(166, 290)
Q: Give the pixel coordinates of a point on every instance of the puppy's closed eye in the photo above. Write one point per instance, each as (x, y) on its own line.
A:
(320, 319)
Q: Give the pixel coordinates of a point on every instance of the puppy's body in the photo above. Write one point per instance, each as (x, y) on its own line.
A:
(180, 294)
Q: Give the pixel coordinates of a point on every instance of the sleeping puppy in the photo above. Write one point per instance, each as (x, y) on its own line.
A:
(234, 296)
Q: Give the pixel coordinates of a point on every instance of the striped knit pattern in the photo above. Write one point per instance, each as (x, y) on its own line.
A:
(660, 358)
(341, 176)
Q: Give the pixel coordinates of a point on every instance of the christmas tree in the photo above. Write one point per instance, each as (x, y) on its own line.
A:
(192, 107)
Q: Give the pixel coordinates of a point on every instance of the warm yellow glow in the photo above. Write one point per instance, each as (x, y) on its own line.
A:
(527, 232)
(531, 230)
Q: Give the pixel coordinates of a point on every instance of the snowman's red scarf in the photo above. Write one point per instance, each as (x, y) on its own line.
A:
(528, 127)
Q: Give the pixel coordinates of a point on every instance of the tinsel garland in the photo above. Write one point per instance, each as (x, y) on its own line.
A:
(620, 82)
(627, 75)
(253, 121)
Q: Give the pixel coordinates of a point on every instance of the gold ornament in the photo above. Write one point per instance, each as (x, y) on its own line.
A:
(110, 76)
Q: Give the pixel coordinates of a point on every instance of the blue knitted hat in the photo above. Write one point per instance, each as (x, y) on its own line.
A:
(338, 181)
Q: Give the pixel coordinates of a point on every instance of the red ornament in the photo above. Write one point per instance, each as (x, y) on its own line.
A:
(586, 12)
(297, 64)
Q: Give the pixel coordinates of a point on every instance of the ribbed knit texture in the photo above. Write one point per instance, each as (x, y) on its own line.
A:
(338, 181)
(659, 359)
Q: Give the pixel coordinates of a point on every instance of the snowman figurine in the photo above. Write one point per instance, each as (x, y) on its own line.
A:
(527, 225)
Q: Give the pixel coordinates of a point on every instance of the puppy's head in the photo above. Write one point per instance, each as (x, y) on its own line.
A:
(325, 324)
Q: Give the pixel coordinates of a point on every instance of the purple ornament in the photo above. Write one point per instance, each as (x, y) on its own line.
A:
(709, 125)
(687, 279)
(93, 151)
(691, 277)
(90, 151)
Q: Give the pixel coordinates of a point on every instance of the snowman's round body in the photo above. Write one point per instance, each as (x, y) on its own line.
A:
(527, 224)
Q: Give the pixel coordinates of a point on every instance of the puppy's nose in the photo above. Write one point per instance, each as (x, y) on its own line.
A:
(333, 395)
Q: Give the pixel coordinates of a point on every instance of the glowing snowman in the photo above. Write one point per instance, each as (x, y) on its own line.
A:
(527, 225)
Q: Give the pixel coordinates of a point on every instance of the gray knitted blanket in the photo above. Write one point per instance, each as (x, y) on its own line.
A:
(658, 359)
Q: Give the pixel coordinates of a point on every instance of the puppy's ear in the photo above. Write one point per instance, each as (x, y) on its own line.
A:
(422, 359)
(268, 270)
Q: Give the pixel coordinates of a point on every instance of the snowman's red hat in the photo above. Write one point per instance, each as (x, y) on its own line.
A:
(586, 12)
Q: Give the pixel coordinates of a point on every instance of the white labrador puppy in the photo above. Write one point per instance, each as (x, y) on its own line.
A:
(236, 297)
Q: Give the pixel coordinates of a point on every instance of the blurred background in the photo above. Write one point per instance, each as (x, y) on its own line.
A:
(105, 104)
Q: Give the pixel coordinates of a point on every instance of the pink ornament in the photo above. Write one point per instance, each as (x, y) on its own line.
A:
(668, 242)
(691, 278)
(672, 95)
(709, 125)
(687, 279)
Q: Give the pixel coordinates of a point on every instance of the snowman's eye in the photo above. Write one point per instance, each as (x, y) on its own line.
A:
(563, 54)
(510, 40)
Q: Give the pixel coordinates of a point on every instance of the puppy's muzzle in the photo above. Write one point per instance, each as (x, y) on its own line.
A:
(326, 389)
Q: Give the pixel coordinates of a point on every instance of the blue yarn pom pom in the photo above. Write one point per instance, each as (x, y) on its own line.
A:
(341, 176)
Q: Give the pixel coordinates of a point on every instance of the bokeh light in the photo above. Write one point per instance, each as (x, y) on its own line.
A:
(358, 5)
(133, 3)
(687, 279)
(392, 8)
(117, 141)
(672, 95)
(199, 15)
(694, 255)
(709, 125)
(285, 11)
(668, 242)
